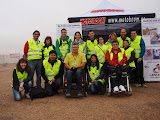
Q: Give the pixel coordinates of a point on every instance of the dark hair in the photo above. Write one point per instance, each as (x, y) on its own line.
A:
(63, 29)
(115, 41)
(22, 60)
(36, 31)
(133, 30)
(75, 35)
(48, 37)
(126, 41)
(52, 51)
(90, 31)
(74, 43)
(100, 37)
(124, 29)
(97, 62)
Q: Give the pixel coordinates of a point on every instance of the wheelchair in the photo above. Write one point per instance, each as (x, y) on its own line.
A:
(113, 75)
(74, 85)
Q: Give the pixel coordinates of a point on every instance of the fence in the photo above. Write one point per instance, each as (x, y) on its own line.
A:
(12, 58)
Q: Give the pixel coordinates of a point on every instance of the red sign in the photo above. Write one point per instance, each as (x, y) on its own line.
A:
(93, 20)
(107, 10)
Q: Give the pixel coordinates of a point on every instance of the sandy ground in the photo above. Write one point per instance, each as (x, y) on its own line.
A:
(144, 104)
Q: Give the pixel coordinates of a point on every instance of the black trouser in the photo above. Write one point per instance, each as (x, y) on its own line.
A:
(133, 76)
(117, 81)
(54, 87)
(139, 72)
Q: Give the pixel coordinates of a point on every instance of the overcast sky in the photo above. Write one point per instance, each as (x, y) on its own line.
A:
(19, 18)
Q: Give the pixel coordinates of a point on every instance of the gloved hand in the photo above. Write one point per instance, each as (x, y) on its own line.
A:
(74, 69)
(118, 71)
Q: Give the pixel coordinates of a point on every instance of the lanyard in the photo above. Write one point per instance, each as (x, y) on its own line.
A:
(75, 57)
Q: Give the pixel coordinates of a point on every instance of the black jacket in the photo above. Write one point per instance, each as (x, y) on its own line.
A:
(16, 81)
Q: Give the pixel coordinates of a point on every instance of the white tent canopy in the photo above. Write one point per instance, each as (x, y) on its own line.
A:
(107, 9)
(107, 18)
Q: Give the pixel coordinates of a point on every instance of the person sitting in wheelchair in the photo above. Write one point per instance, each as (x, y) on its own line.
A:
(117, 59)
(95, 75)
(75, 62)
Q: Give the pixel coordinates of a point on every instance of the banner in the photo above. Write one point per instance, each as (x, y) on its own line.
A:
(71, 29)
(14, 55)
(151, 36)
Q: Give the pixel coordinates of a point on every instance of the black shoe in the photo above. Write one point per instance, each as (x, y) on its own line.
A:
(56, 92)
(100, 92)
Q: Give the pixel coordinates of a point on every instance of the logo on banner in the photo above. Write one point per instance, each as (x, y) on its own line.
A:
(156, 71)
(107, 10)
(100, 20)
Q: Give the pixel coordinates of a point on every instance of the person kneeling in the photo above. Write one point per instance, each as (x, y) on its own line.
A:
(52, 72)
(21, 80)
(95, 75)
(75, 62)
(117, 59)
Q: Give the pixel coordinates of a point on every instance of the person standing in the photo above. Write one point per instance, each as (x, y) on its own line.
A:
(33, 52)
(52, 73)
(100, 50)
(91, 43)
(112, 37)
(129, 51)
(123, 37)
(63, 45)
(78, 40)
(47, 47)
(138, 44)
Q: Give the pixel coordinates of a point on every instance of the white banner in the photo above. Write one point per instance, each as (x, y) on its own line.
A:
(14, 55)
(71, 29)
(151, 36)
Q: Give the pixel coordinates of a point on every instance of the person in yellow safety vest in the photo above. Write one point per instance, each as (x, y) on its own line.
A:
(21, 80)
(138, 44)
(123, 37)
(112, 37)
(78, 40)
(91, 43)
(47, 47)
(52, 73)
(95, 74)
(117, 59)
(100, 50)
(33, 51)
(63, 45)
(129, 51)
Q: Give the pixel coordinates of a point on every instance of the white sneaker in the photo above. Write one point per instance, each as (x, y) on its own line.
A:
(121, 87)
(115, 89)
(27, 95)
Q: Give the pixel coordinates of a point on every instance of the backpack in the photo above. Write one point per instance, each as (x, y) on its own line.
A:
(37, 92)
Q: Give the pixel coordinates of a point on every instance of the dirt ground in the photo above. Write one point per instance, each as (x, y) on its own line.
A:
(144, 104)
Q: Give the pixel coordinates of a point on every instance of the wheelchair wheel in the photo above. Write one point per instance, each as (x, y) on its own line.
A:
(130, 91)
(85, 93)
(107, 91)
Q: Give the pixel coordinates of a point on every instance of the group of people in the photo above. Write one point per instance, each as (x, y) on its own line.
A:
(74, 58)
